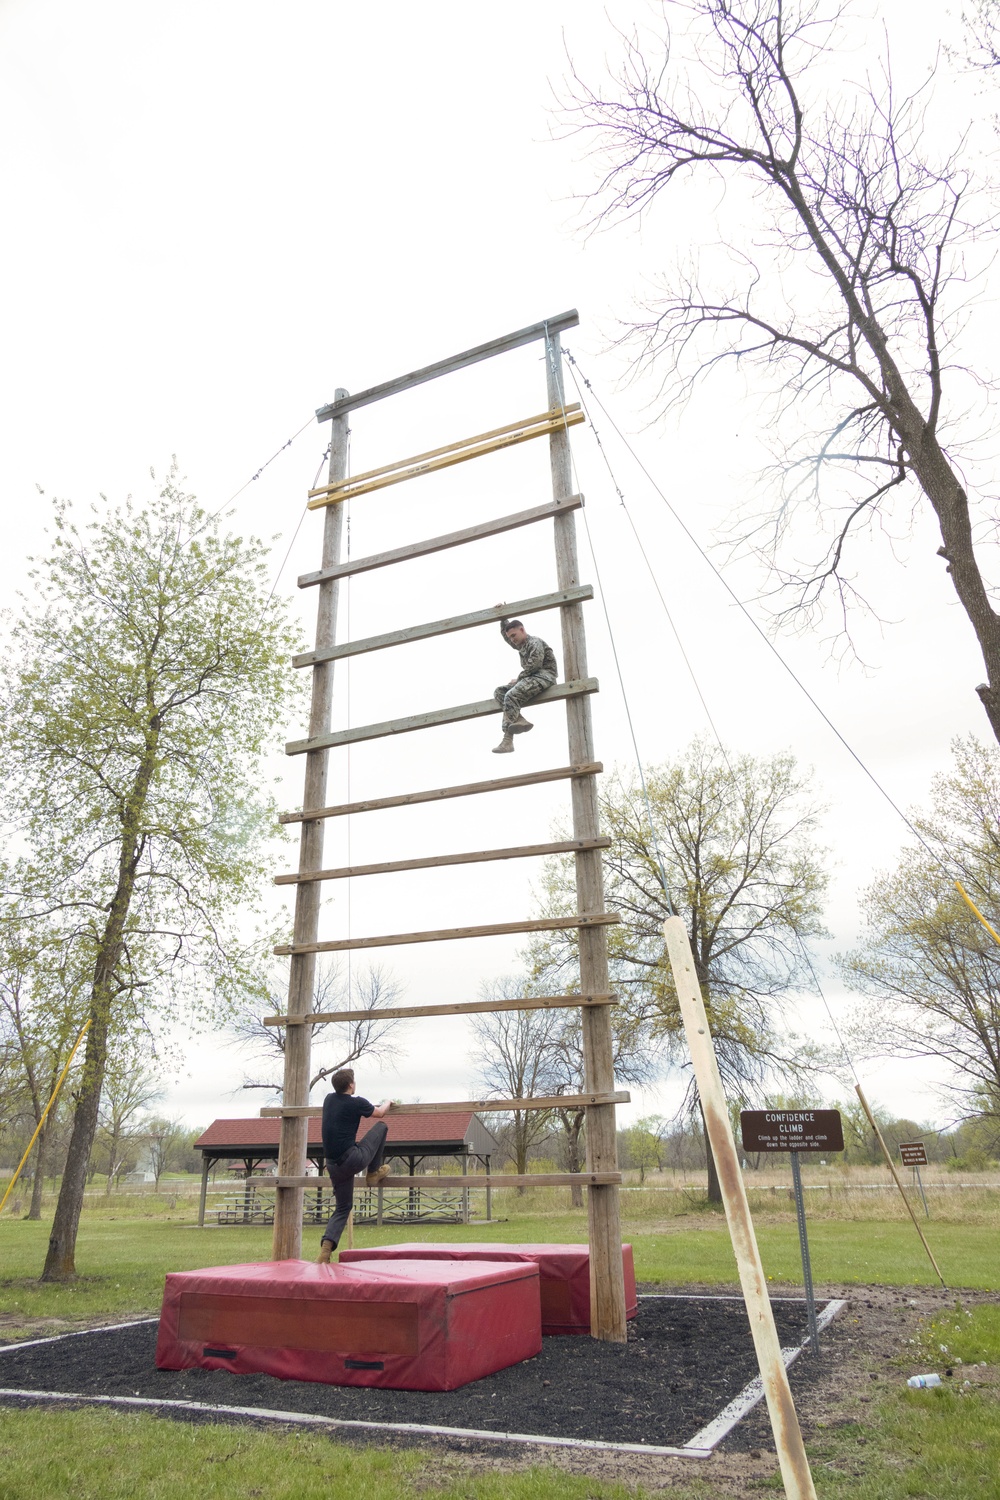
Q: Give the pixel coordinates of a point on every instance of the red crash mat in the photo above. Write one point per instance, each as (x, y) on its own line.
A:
(413, 1325)
(564, 1272)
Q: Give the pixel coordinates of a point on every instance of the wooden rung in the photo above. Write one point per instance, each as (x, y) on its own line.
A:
(507, 341)
(447, 934)
(501, 1180)
(477, 1106)
(534, 606)
(404, 463)
(479, 856)
(442, 543)
(436, 717)
(442, 793)
(443, 458)
(464, 1008)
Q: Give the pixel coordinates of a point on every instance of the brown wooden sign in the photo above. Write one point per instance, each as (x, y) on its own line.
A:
(913, 1154)
(792, 1130)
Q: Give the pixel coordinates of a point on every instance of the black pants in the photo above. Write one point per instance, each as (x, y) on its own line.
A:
(366, 1156)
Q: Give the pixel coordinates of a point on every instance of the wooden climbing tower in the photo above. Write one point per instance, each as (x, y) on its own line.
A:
(594, 1000)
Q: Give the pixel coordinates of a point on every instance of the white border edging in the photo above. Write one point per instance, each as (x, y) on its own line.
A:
(413, 1429)
(76, 1333)
(713, 1432)
(702, 1445)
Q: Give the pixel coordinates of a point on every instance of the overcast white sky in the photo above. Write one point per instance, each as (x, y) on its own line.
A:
(218, 213)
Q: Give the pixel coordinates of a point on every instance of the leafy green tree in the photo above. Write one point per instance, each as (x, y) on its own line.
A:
(929, 969)
(166, 1145)
(145, 680)
(645, 1144)
(737, 837)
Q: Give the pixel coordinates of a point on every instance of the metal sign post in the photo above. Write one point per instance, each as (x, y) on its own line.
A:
(807, 1275)
(795, 1130)
(914, 1154)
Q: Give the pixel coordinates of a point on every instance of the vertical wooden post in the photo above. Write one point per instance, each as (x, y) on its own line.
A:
(791, 1451)
(465, 1191)
(287, 1244)
(607, 1285)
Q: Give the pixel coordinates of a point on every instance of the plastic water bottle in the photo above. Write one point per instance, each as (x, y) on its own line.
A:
(922, 1382)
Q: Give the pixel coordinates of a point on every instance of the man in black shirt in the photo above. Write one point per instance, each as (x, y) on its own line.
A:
(343, 1112)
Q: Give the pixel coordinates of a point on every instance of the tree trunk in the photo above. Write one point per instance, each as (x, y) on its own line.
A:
(520, 1148)
(573, 1125)
(38, 1186)
(112, 1160)
(714, 1189)
(60, 1262)
(941, 486)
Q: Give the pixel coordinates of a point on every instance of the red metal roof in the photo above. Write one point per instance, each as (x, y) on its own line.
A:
(444, 1128)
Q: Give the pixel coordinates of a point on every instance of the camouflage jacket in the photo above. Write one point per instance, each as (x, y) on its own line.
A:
(537, 656)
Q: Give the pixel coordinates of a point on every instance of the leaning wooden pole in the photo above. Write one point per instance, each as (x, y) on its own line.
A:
(896, 1178)
(287, 1243)
(45, 1114)
(607, 1285)
(788, 1442)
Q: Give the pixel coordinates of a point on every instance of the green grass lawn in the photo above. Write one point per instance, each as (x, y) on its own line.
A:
(904, 1445)
(123, 1456)
(122, 1261)
(940, 1444)
(931, 1444)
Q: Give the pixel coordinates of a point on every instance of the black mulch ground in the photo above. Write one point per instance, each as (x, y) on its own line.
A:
(684, 1361)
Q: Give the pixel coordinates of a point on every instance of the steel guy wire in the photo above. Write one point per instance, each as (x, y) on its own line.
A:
(655, 581)
(805, 952)
(749, 617)
(549, 350)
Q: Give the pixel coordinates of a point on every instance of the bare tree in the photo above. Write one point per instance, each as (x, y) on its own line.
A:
(931, 972)
(372, 989)
(130, 1085)
(981, 24)
(515, 1059)
(842, 284)
(637, 1060)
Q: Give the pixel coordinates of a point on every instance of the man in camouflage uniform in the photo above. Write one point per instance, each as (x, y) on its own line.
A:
(538, 672)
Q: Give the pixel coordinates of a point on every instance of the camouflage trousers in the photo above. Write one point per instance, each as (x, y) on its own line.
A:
(513, 696)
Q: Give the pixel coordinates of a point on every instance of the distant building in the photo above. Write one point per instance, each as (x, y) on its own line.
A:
(250, 1146)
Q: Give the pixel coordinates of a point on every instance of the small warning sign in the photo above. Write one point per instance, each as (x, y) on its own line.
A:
(792, 1130)
(913, 1154)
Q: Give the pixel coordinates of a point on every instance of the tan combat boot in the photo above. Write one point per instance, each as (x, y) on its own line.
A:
(326, 1249)
(506, 745)
(374, 1178)
(520, 725)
